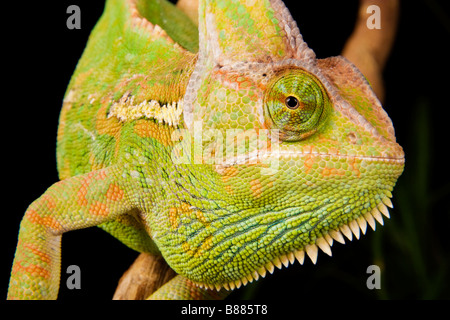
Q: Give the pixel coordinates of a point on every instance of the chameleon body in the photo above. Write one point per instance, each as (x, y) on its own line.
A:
(229, 148)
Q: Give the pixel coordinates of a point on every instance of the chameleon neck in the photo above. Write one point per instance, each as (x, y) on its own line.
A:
(176, 80)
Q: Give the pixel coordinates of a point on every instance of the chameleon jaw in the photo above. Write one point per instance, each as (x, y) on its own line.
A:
(324, 243)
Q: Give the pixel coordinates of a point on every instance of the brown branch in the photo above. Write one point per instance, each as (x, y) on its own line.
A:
(145, 276)
(369, 49)
(190, 8)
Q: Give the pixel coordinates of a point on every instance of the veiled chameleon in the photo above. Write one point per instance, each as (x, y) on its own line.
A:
(229, 149)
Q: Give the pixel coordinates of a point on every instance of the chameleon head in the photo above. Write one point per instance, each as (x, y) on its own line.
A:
(318, 157)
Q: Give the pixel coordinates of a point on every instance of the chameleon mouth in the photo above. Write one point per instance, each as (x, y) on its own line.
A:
(259, 156)
(353, 228)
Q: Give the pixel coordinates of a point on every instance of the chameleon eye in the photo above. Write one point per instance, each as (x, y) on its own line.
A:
(292, 102)
(297, 104)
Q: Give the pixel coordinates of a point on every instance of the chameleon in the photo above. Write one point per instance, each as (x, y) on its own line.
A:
(225, 146)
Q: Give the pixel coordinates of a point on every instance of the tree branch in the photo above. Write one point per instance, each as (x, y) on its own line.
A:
(369, 49)
(190, 8)
(145, 276)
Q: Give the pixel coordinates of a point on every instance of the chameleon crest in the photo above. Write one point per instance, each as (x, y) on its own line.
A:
(229, 148)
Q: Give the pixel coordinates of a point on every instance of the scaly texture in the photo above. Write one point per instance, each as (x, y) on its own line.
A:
(244, 156)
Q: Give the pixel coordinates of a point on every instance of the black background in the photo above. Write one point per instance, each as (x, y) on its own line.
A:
(40, 55)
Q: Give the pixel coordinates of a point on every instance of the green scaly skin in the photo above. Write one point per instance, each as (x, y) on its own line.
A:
(327, 167)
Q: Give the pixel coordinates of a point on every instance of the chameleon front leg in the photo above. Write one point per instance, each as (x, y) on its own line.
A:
(180, 288)
(77, 202)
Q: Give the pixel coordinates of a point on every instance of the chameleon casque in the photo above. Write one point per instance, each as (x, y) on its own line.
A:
(227, 148)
